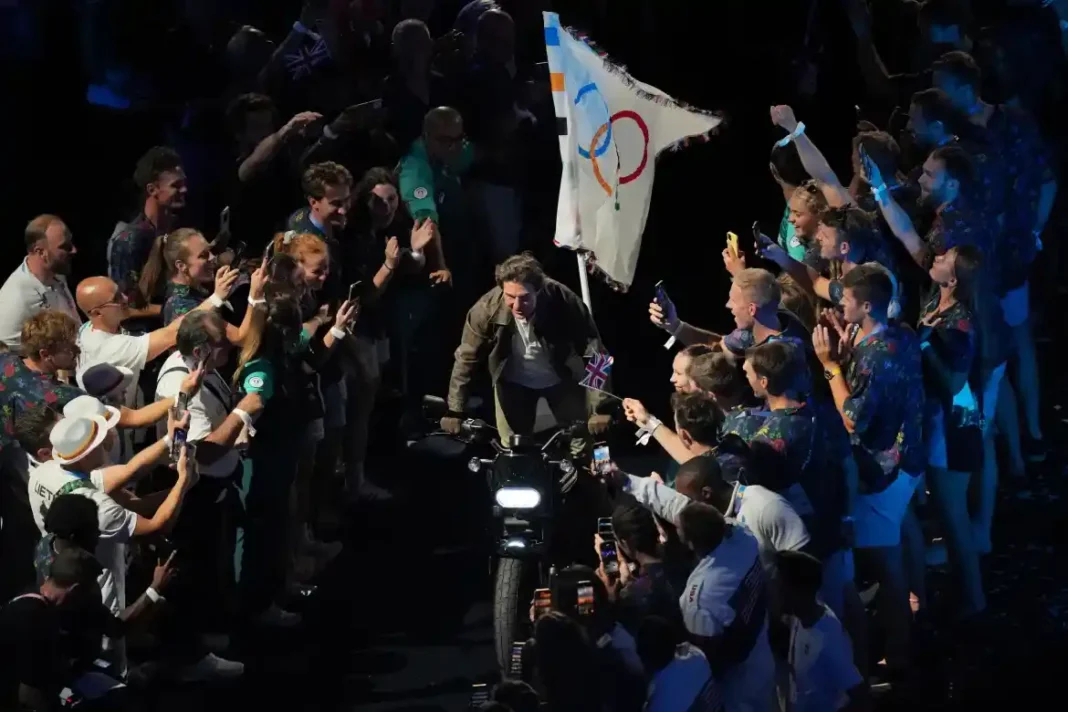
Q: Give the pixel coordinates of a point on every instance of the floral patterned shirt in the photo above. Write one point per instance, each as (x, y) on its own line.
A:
(181, 299)
(21, 388)
(741, 339)
(958, 224)
(128, 252)
(952, 338)
(1028, 166)
(885, 384)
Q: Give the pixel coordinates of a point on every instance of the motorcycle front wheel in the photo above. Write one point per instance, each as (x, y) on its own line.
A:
(513, 591)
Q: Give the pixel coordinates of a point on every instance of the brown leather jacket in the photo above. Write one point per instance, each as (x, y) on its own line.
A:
(562, 321)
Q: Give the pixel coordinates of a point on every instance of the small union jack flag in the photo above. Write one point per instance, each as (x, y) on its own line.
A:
(597, 371)
(301, 62)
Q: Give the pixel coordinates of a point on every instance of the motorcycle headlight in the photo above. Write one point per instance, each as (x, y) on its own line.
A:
(518, 497)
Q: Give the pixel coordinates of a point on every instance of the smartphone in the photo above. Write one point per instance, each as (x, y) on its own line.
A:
(239, 250)
(584, 604)
(352, 289)
(543, 602)
(610, 558)
(601, 459)
(605, 530)
(661, 293)
(480, 695)
(224, 219)
(515, 665)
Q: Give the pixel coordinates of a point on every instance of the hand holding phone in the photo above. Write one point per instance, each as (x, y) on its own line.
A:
(543, 602)
(602, 460)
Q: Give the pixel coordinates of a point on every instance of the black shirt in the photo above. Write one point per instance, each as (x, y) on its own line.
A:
(32, 652)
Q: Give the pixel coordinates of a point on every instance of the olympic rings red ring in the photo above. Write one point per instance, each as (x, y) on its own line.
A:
(633, 175)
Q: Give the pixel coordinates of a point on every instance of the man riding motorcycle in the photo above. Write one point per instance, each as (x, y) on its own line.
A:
(535, 334)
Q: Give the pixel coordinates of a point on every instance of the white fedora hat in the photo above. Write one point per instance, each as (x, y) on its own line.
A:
(87, 407)
(74, 438)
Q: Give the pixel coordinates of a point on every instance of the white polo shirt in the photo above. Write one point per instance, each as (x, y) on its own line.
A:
(23, 295)
(116, 524)
(208, 408)
(118, 350)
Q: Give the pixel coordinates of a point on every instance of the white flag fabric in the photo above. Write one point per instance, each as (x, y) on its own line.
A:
(611, 128)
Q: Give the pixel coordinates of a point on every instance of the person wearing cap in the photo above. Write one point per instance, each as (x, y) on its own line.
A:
(40, 282)
(78, 464)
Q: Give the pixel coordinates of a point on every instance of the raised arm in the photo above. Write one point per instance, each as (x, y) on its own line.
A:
(811, 158)
(267, 148)
(896, 218)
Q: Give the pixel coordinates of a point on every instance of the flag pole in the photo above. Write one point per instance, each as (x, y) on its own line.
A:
(584, 280)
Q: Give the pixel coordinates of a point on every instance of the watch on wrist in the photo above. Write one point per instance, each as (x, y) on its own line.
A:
(830, 373)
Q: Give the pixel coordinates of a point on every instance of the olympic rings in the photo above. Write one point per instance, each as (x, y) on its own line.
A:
(600, 151)
(606, 128)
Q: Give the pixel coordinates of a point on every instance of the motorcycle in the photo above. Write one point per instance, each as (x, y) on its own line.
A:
(537, 504)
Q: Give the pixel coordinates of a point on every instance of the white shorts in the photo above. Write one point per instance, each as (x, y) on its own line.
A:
(1016, 305)
(837, 572)
(879, 516)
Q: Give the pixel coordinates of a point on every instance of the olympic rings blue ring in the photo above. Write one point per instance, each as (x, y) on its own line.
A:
(603, 148)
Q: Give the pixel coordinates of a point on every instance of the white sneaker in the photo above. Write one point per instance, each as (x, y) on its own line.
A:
(278, 617)
(211, 667)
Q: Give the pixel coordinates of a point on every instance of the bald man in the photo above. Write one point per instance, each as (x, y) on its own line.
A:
(102, 340)
(430, 175)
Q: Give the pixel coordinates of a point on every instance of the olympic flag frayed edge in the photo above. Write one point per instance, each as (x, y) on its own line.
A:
(553, 28)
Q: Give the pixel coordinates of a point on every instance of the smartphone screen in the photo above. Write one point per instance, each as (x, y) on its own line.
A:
(584, 603)
(601, 459)
(610, 558)
(543, 602)
(480, 695)
(515, 665)
(604, 528)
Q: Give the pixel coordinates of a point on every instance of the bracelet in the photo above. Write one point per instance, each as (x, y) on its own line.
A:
(652, 424)
(338, 333)
(256, 302)
(246, 419)
(328, 133)
(216, 301)
(386, 265)
(154, 595)
(787, 140)
(168, 441)
(880, 193)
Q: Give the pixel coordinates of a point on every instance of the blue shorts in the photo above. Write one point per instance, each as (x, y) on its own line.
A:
(1016, 305)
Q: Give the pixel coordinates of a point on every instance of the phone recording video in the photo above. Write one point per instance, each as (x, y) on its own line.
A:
(515, 664)
(605, 529)
(609, 558)
(353, 289)
(480, 695)
(543, 602)
(602, 460)
(584, 604)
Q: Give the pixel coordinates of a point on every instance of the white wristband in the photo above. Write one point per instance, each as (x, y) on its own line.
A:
(247, 420)
(216, 301)
(786, 140)
(256, 302)
(168, 441)
(337, 333)
(154, 595)
(328, 133)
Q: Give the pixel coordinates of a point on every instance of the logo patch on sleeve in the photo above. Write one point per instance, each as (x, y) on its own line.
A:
(256, 382)
(420, 193)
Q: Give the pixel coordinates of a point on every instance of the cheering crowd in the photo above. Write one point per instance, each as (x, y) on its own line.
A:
(210, 381)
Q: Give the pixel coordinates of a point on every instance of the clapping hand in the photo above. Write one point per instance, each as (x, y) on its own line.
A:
(422, 233)
(392, 253)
